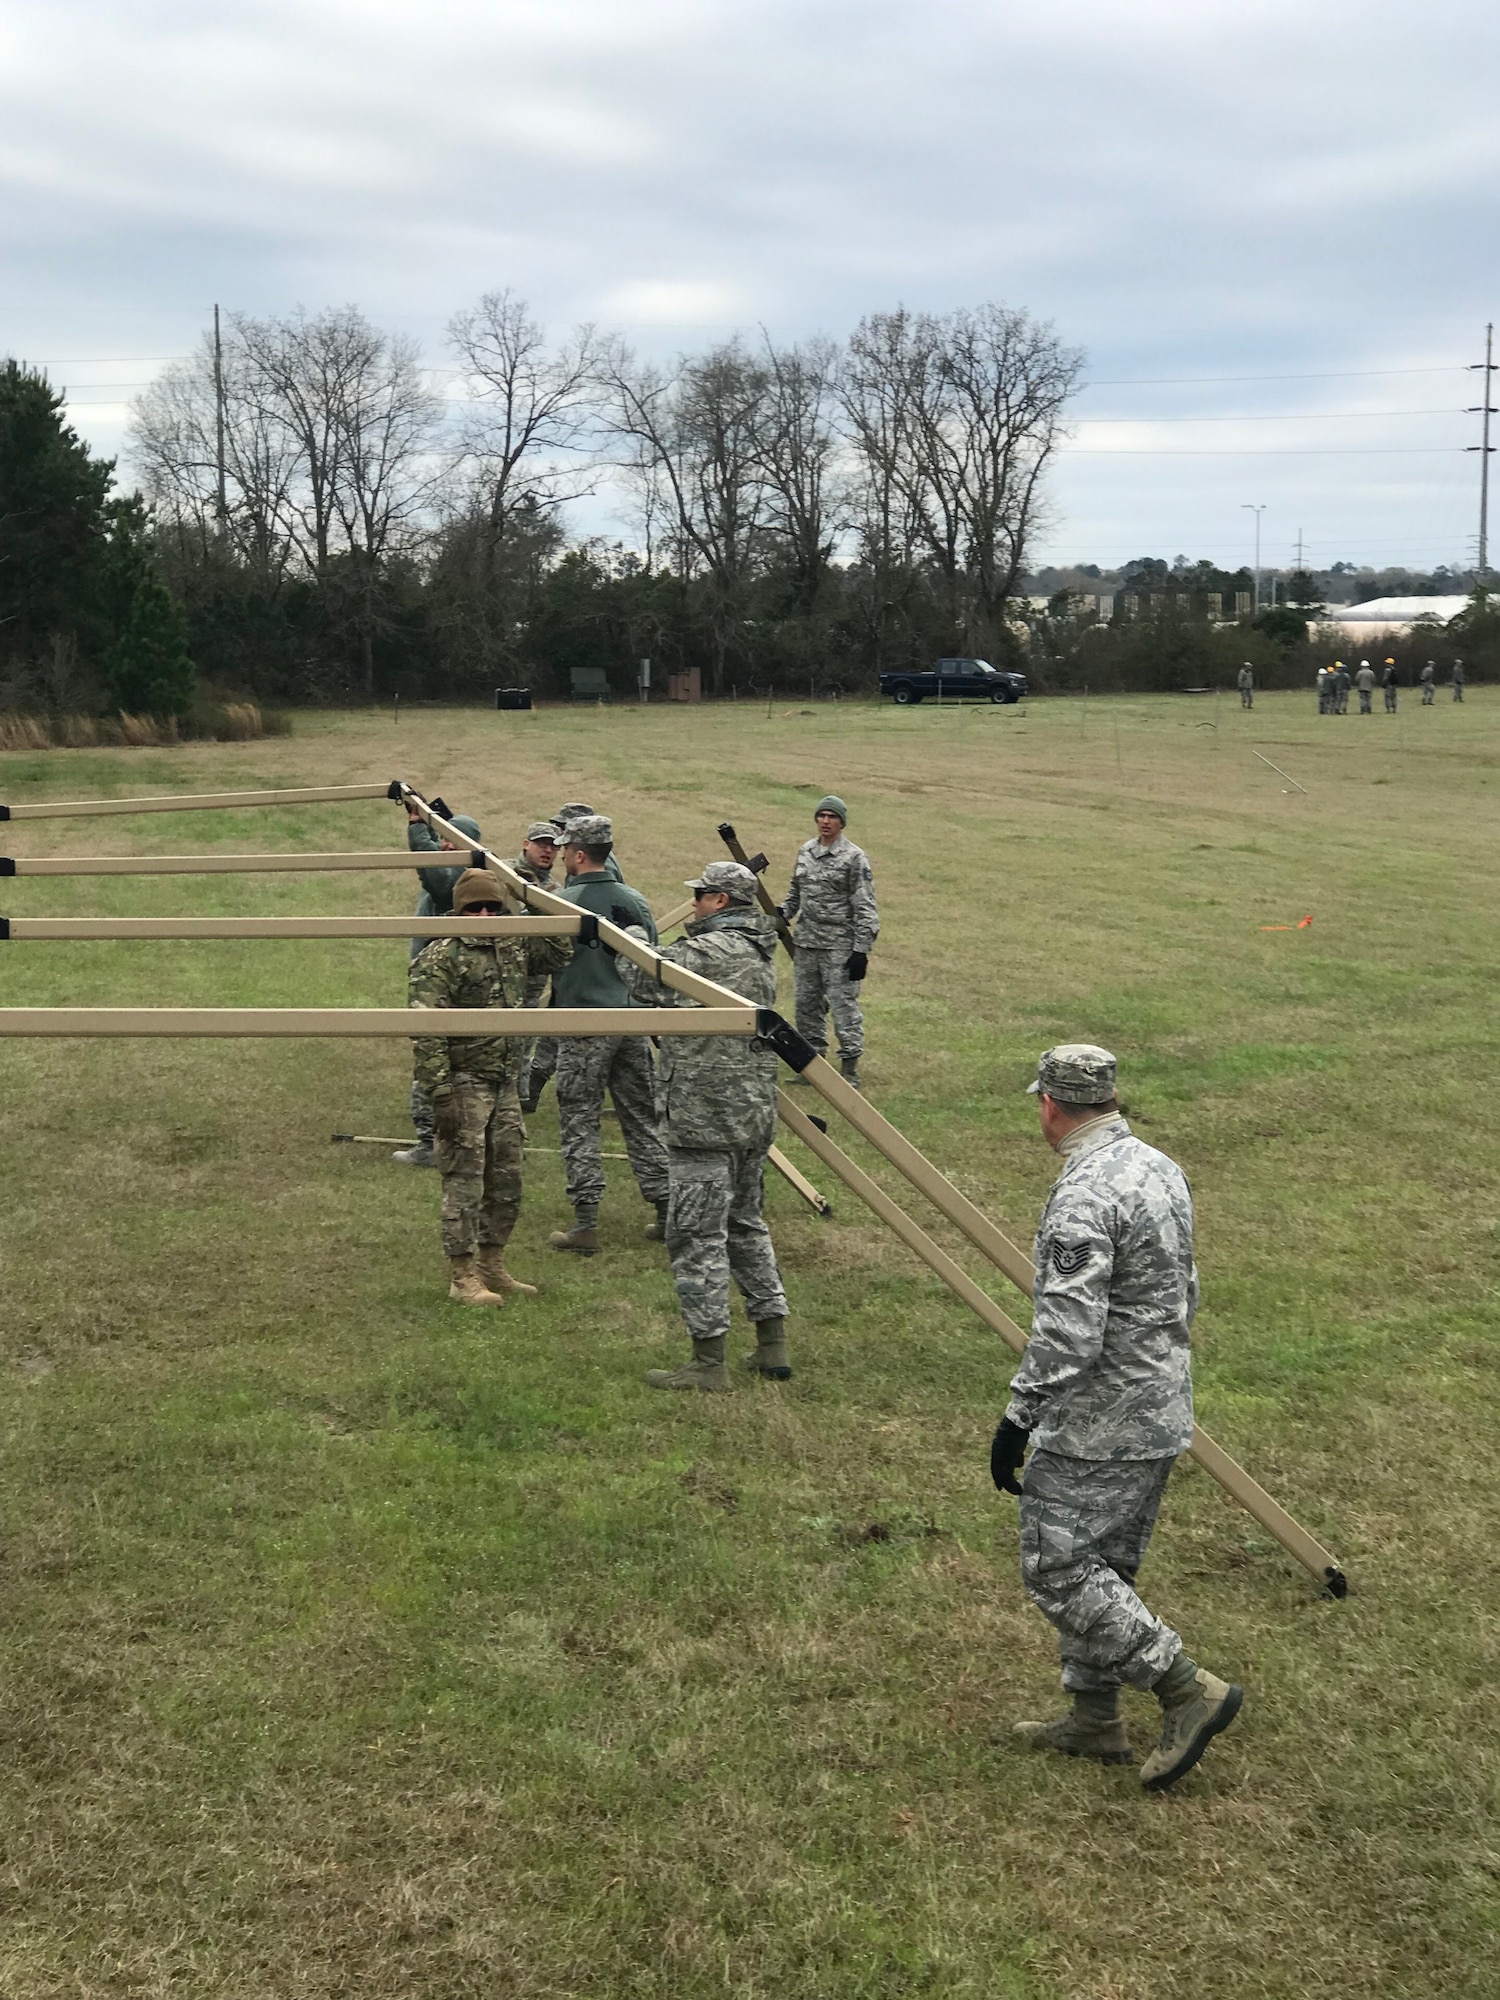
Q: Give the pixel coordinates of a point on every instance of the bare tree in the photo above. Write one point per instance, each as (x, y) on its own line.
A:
(530, 407)
(805, 497)
(693, 441)
(956, 420)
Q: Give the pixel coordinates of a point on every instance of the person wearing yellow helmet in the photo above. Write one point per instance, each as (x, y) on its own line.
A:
(1389, 684)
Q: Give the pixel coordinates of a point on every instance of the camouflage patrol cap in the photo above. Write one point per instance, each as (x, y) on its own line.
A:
(543, 829)
(1075, 1073)
(576, 810)
(732, 877)
(589, 830)
(477, 885)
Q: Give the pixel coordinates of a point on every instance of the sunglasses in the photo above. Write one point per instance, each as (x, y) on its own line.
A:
(484, 909)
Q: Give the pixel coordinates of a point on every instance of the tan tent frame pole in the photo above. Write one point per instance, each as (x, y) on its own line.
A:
(763, 895)
(409, 1022)
(679, 980)
(31, 929)
(211, 864)
(192, 802)
(798, 1182)
(1007, 1256)
(1314, 1558)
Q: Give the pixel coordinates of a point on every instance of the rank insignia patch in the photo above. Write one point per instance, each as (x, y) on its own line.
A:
(1068, 1258)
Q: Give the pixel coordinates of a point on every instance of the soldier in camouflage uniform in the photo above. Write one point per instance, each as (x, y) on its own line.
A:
(534, 864)
(471, 1084)
(833, 899)
(716, 1105)
(588, 1065)
(434, 900)
(1104, 1393)
(543, 1065)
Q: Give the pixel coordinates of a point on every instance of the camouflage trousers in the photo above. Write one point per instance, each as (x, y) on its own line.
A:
(1390, 701)
(481, 1168)
(715, 1232)
(1085, 1524)
(1427, 694)
(421, 1114)
(540, 1054)
(822, 989)
(1365, 699)
(587, 1066)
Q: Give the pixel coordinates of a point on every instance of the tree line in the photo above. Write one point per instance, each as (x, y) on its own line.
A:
(340, 523)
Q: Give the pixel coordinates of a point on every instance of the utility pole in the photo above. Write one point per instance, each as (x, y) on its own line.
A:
(1257, 509)
(1487, 410)
(222, 507)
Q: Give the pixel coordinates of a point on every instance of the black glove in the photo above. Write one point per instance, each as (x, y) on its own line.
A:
(1007, 1450)
(447, 1120)
(856, 966)
(441, 807)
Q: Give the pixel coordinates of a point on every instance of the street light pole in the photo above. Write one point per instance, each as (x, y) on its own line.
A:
(1257, 510)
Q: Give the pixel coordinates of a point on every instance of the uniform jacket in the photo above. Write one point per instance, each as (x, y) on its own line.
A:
(1364, 680)
(715, 1092)
(589, 978)
(475, 972)
(833, 897)
(529, 872)
(438, 884)
(1107, 1372)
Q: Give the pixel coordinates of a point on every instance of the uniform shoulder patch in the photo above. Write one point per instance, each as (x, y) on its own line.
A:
(1068, 1258)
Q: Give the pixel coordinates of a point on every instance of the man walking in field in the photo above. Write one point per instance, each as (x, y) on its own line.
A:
(435, 899)
(588, 1065)
(1341, 690)
(833, 899)
(471, 1084)
(1325, 681)
(1429, 684)
(1104, 1396)
(1247, 686)
(1364, 680)
(1388, 685)
(1458, 680)
(716, 1099)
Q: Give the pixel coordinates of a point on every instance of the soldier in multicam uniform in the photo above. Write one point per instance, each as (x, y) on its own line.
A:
(434, 900)
(833, 899)
(534, 864)
(588, 1065)
(1104, 1392)
(716, 1103)
(471, 1084)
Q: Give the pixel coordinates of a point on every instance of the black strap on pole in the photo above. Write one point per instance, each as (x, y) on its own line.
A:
(775, 1032)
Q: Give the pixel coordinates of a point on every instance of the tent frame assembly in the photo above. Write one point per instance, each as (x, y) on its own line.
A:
(715, 1010)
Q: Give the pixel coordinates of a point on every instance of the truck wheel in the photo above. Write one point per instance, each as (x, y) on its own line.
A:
(998, 698)
(905, 697)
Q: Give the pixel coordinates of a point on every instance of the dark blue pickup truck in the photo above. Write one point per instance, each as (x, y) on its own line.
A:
(954, 680)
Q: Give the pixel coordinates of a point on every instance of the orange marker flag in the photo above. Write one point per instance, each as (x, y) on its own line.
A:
(1302, 924)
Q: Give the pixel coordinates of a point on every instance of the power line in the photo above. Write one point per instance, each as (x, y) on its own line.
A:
(1321, 375)
(1261, 451)
(1274, 416)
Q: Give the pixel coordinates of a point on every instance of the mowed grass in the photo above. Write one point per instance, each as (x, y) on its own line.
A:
(358, 1644)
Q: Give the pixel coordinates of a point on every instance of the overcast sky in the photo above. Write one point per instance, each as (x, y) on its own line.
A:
(1271, 212)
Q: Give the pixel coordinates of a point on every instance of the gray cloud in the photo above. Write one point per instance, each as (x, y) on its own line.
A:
(1256, 189)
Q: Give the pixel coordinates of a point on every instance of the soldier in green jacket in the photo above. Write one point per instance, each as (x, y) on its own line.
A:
(471, 1084)
(588, 1065)
(716, 1107)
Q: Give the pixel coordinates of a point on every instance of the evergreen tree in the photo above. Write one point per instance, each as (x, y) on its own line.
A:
(54, 497)
(147, 670)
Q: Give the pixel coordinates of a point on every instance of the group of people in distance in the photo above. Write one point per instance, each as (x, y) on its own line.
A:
(1102, 1399)
(697, 1117)
(1335, 682)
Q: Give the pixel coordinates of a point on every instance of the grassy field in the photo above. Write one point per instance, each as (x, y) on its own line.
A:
(358, 1644)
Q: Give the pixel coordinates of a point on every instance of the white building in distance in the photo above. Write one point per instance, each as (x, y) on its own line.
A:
(1360, 624)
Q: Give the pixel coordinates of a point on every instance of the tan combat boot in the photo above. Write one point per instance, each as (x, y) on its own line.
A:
(584, 1238)
(1091, 1728)
(705, 1371)
(1195, 1706)
(770, 1356)
(492, 1271)
(468, 1288)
